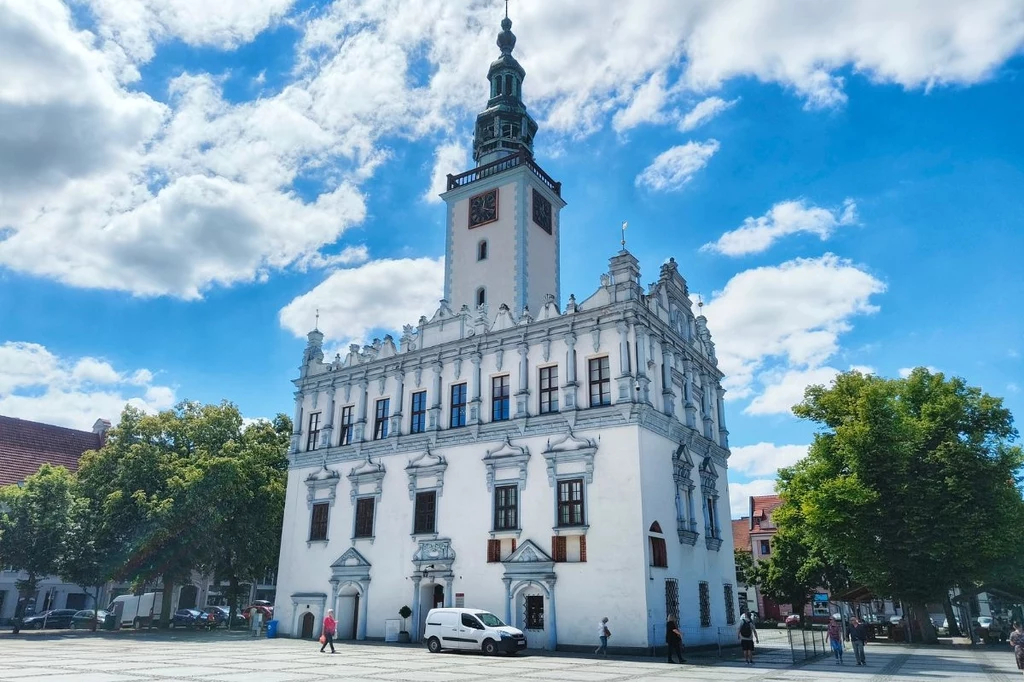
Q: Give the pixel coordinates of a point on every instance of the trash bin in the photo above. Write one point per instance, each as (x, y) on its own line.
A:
(271, 629)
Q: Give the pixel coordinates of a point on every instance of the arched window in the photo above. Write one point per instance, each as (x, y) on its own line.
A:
(481, 296)
(497, 86)
(508, 85)
(659, 552)
(481, 250)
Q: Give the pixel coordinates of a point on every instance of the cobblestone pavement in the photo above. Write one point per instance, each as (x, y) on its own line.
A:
(151, 657)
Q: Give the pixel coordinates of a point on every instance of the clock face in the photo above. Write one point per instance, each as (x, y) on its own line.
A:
(542, 211)
(483, 208)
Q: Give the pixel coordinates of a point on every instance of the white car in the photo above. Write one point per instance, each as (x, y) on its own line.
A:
(471, 630)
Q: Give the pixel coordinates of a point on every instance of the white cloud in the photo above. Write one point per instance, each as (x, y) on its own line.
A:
(1012, 388)
(785, 389)
(764, 459)
(905, 372)
(450, 157)
(740, 494)
(226, 24)
(783, 219)
(380, 295)
(38, 385)
(101, 186)
(793, 313)
(704, 111)
(675, 167)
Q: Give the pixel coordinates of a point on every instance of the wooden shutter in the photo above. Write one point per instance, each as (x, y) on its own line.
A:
(558, 551)
(493, 551)
(513, 545)
(583, 548)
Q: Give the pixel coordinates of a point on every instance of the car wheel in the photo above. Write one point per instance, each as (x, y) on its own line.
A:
(434, 645)
(136, 624)
(490, 648)
(38, 625)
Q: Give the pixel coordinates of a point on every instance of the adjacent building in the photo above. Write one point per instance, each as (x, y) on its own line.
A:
(550, 464)
(24, 447)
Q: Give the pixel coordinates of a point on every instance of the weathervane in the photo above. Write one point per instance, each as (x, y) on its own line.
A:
(623, 242)
(316, 325)
(506, 9)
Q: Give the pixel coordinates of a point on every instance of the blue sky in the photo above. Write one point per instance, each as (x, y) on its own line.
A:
(183, 183)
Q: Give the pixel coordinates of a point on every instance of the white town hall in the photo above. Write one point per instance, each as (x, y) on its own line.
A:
(550, 465)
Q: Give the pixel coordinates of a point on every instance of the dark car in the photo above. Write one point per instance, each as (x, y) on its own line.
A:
(84, 620)
(55, 618)
(193, 618)
(221, 614)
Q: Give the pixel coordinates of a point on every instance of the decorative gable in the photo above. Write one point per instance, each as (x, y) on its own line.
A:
(350, 558)
(323, 479)
(528, 553)
(708, 476)
(570, 454)
(350, 566)
(427, 469)
(368, 474)
(505, 460)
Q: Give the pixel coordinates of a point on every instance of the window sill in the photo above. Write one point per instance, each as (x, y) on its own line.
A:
(713, 543)
(570, 530)
(363, 538)
(688, 537)
(310, 543)
(507, 533)
(432, 535)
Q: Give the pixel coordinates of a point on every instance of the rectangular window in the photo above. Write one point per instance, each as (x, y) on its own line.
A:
(418, 424)
(570, 502)
(709, 505)
(559, 548)
(600, 382)
(346, 425)
(659, 553)
(380, 421)
(704, 597)
(499, 399)
(458, 412)
(426, 506)
(672, 599)
(318, 521)
(766, 547)
(364, 517)
(548, 389)
(534, 612)
(506, 507)
(730, 606)
(314, 431)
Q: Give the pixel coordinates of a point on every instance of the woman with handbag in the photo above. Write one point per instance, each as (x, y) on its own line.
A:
(330, 627)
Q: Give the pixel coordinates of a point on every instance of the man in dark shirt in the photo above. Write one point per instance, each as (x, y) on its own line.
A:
(858, 636)
(674, 639)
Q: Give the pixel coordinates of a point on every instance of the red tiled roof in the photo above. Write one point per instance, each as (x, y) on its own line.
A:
(761, 508)
(741, 534)
(25, 446)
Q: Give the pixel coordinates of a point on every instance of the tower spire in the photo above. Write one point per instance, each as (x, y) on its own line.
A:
(504, 128)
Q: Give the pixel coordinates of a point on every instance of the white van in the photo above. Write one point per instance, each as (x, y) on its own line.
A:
(137, 610)
(471, 630)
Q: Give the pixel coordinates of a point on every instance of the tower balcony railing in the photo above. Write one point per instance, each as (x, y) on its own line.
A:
(503, 164)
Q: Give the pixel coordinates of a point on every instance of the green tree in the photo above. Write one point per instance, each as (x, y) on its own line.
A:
(911, 484)
(84, 561)
(744, 567)
(248, 477)
(35, 523)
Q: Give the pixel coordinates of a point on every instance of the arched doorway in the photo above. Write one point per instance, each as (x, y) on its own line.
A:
(308, 621)
(530, 614)
(348, 612)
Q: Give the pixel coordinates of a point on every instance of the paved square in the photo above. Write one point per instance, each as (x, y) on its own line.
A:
(208, 657)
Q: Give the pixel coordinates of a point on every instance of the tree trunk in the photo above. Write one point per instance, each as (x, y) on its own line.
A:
(947, 606)
(233, 597)
(165, 602)
(921, 627)
(95, 607)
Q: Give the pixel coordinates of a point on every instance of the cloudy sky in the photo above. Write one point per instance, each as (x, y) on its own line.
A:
(183, 182)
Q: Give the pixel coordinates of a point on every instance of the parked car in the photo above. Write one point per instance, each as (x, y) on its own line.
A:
(793, 620)
(471, 630)
(944, 628)
(83, 620)
(221, 614)
(137, 611)
(193, 618)
(54, 618)
(264, 607)
(992, 629)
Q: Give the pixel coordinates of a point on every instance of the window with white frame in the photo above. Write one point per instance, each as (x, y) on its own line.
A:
(548, 389)
(600, 379)
(686, 519)
(321, 491)
(367, 482)
(709, 491)
(313, 436)
(380, 421)
(346, 425)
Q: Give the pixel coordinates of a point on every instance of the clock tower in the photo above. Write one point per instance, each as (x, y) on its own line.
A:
(503, 216)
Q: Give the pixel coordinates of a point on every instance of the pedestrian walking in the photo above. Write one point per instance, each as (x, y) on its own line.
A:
(835, 637)
(603, 633)
(330, 627)
(858, 637)
(1017, 642)
(747, 635)
(674, 639)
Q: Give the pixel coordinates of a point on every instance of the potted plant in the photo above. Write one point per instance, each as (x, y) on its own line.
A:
(404, 612)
